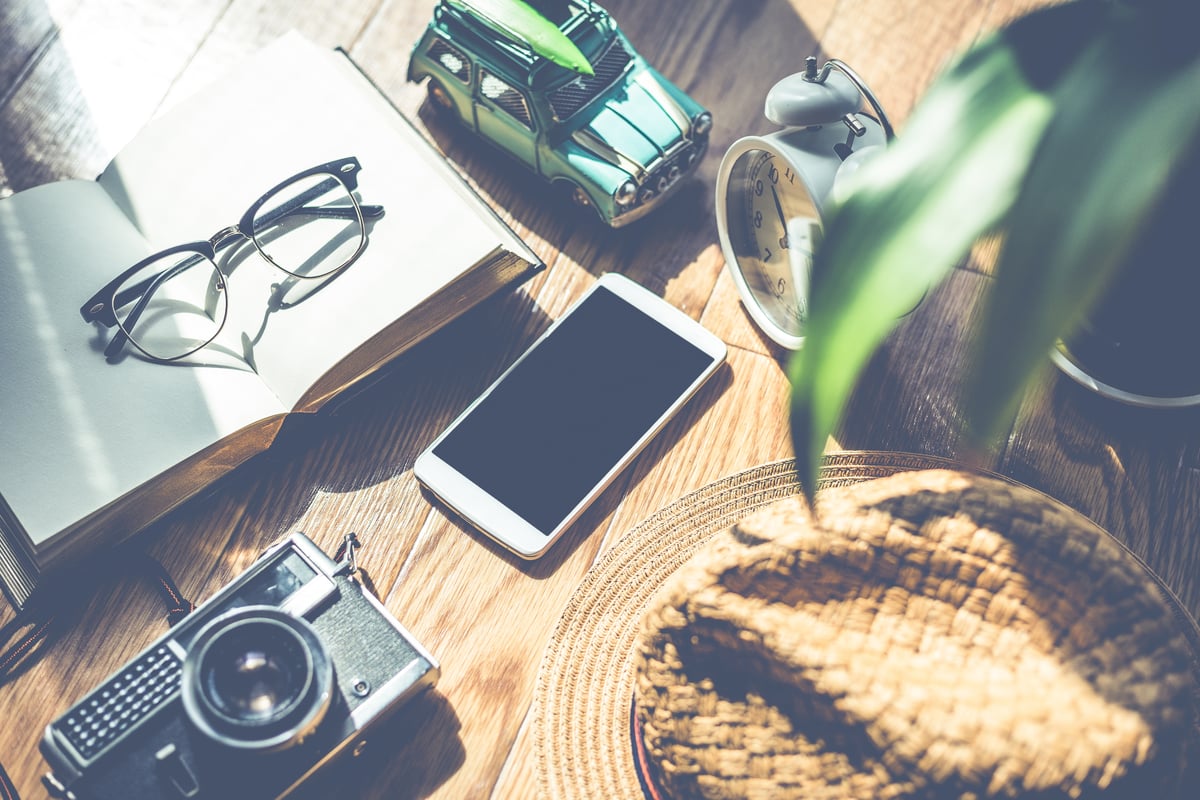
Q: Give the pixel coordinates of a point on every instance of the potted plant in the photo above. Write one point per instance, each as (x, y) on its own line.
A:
(1073, 132)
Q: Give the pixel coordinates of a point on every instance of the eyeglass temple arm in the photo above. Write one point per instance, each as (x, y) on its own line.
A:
(296, 206)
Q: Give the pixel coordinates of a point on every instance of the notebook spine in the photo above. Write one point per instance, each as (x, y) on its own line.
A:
(18, 573)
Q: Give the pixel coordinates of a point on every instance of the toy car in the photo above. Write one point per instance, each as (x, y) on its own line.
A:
(619, 140)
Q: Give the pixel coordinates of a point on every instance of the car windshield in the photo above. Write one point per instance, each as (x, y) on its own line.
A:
(574, 95)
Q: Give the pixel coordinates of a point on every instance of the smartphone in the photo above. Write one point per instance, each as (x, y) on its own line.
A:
(524, 460)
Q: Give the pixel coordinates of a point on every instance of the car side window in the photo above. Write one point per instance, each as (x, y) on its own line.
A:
(451, 58)
(505, 97)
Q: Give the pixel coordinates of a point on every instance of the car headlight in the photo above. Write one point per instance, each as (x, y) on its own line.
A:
(626, 193)
(702, 123)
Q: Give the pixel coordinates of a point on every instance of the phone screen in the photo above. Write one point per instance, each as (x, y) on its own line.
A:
(572, 408)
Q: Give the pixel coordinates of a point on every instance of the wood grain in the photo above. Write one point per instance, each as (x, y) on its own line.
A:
(79, 76)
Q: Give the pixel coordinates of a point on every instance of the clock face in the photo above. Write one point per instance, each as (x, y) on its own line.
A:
(772, 226)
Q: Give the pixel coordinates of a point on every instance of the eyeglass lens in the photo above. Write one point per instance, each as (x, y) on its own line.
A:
(173, 305)
(310, 228)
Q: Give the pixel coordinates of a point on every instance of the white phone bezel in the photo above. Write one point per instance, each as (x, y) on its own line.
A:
(492, 517)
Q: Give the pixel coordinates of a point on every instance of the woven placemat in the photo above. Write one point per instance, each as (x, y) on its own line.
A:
(585, 683)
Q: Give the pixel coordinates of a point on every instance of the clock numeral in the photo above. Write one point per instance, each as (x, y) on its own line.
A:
(758, 187)
(780, 288)
(791, 177)
(767, 257)
(758, 219)
(773, 174)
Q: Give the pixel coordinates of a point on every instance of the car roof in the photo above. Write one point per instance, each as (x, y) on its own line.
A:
(515, 59)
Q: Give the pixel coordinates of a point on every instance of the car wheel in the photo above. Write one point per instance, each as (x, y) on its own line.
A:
(440, 97)
(579, 197)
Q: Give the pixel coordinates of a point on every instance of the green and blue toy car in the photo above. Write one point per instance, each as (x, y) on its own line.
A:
(612, 132)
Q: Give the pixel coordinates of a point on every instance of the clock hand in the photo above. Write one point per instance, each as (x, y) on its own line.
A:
(783, 241)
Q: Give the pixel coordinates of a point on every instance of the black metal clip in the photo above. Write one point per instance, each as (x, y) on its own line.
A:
(347, 555)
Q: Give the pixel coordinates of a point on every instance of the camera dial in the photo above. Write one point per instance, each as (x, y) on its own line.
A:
(257, 679)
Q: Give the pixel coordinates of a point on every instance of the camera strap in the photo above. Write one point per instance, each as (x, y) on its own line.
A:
(27, 635)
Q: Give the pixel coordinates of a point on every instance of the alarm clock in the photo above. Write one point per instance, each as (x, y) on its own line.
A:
(772, 190)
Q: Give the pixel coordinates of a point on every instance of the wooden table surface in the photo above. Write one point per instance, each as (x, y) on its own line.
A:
(78, 77)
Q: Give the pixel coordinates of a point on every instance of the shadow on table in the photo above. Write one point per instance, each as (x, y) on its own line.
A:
(408, 756)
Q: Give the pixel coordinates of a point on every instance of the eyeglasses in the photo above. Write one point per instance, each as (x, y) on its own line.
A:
(175, 302)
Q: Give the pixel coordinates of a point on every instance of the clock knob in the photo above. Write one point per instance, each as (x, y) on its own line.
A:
(800, 101)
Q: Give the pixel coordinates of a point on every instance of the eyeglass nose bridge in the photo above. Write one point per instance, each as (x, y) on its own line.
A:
(222, 237)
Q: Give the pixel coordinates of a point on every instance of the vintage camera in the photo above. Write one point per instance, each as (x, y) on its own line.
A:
(273, 677)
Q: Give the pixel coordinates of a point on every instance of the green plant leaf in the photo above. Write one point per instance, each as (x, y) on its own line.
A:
(913, 212)
(520, 21)
(1118, 132)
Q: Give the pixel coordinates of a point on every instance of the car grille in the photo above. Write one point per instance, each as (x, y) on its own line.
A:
(566, 100)
(678, 165)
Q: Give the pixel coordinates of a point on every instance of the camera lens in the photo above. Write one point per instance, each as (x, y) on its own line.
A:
(256, 673)
(257, 678)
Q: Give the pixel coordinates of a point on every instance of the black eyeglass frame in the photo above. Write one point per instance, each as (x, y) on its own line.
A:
(101, 306)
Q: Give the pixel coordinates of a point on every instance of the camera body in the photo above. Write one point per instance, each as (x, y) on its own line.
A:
(285, 668)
